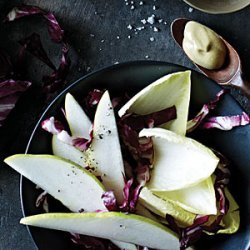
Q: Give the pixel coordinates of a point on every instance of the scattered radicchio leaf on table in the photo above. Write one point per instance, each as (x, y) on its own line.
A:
(10, 92)
(32, 43)
(205, 110)
(55, 31)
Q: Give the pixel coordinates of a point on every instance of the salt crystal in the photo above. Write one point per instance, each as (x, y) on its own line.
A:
(144, 21)
(102, 41)
(151, 39)
(129, 37)
(132, 7)
(140, 28)
(160, 20)
(190, 10)
(118, 37)
(154, 7)
(130, 27)
(151, 19)
(146, 56)
(156, 29)
(141, 3)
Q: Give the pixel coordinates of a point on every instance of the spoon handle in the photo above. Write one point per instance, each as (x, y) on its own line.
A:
(241, 83)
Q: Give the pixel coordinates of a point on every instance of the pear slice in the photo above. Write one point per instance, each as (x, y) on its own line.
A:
(162, 207)
(68, 152)
(198, 199)
(69, 183)
(78, 121)
(110, 225)
(179, 162)
(172, 89)
(104, 154)
(124, 245)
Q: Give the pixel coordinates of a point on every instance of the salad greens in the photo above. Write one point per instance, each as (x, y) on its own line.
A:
(150, 184)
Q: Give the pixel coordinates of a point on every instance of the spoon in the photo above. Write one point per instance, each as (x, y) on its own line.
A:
(229, 74)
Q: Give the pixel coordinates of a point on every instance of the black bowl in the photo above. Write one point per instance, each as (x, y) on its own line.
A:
(131, 77)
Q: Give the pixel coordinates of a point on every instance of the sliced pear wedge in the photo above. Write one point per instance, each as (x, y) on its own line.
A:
(172, 89)
(125, 245)
(162, 207)
(68, 152)
(198, 199)
(69, 183)
(110, 225)
(179, 162)
(104, 154)
(78, 121)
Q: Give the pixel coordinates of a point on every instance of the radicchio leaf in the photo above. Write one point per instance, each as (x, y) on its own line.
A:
(42, 200)
(109, 201)
(55, 127)
(33, 44)
(10, 91)
(226, 122)
(94, 97)
(55, 31)
(205, 110)
(130, 198)
(141, 149)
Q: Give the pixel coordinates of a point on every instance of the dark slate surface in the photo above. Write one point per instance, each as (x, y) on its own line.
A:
(93, 28)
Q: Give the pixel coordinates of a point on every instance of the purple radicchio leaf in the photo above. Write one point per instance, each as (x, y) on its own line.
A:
(33, 44)
(131, 195)
(226, 122)
(94, 97)
(42, 200)
(205, 110)
(142, 148)
(191, 234)
(130, 198)
(10, 92)
(138, 122)
(54, 29)
(55, 127)
(109, 201)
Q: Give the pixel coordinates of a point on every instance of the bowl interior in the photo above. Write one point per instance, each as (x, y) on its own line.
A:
(131, 77)
(218, 6)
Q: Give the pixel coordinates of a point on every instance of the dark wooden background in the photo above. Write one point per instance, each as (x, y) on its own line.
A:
(93, 28)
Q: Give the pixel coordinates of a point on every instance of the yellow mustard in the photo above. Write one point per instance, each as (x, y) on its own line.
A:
(203, 46)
